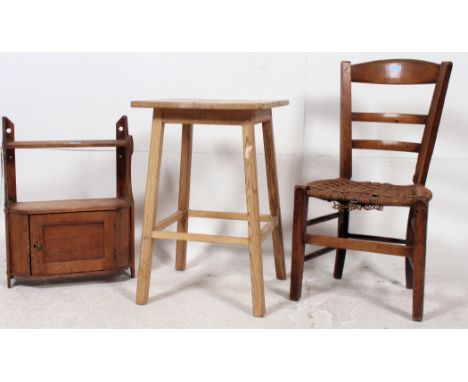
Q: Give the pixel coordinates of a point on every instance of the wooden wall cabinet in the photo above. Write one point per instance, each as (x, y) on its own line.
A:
(69, 238)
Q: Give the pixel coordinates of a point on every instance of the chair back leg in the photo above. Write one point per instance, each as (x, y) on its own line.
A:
(301, 204)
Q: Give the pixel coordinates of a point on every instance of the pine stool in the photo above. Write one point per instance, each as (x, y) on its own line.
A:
(188, 113)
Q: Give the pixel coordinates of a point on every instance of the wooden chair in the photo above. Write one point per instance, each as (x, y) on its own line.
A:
(349, 195)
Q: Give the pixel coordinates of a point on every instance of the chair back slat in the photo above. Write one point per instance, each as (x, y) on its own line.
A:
(393, 72)
(415, 119)
(370, 144)
(397, 72)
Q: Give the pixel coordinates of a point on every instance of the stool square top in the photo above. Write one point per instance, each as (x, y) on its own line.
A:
(210, 104)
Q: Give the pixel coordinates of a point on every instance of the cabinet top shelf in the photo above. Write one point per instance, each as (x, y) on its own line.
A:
(73, 205)
(65, 144)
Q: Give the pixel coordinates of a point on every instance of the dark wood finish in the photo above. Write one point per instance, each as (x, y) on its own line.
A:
(413, 248)
(317, 253)
(9, 162)
(125, 239)
(301, 205)
(125, 227)
(72, 243)
(70, 277)
(65, 144)
(414, 119)
(340, 256)
(72, 205)
(376, 238)
(419, 259)
(432, 125)
(345, 122)
(410, 241)
(9, 182)
(396, 72)
(18, 244)
(323, 219)
(64, 238)
(357, 245)
(370, 144)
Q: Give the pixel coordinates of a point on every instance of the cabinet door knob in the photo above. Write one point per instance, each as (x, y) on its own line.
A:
(38, 246)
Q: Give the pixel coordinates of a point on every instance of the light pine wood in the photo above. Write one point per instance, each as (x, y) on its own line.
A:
(210, 104)
(274, 199)
(225, 215)
(213, 117)
(253, 218)
(268, 228)
(184, 193)
(234, 240)
(241, 113)
(171, 219)
(150, 209)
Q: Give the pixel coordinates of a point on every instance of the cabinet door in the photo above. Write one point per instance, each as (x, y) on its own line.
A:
(72, 242)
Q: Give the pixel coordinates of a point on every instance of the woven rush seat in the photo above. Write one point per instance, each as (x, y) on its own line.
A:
(368, 193)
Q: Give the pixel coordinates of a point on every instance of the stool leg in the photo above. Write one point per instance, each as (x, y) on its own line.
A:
(184, 193)
(253, 218)
(273, 194)
(149, 212)
(419, 260)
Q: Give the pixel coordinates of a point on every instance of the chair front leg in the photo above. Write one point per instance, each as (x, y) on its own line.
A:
(301, 203)
(343, 223)
(419, 258)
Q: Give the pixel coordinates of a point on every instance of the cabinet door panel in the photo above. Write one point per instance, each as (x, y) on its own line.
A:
(72, 242)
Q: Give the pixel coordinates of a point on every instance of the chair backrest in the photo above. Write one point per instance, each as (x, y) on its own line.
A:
(393, 72)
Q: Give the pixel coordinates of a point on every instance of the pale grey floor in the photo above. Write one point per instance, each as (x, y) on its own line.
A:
(214, 292)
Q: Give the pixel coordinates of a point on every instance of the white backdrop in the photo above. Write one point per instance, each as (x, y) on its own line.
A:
(80, 96)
